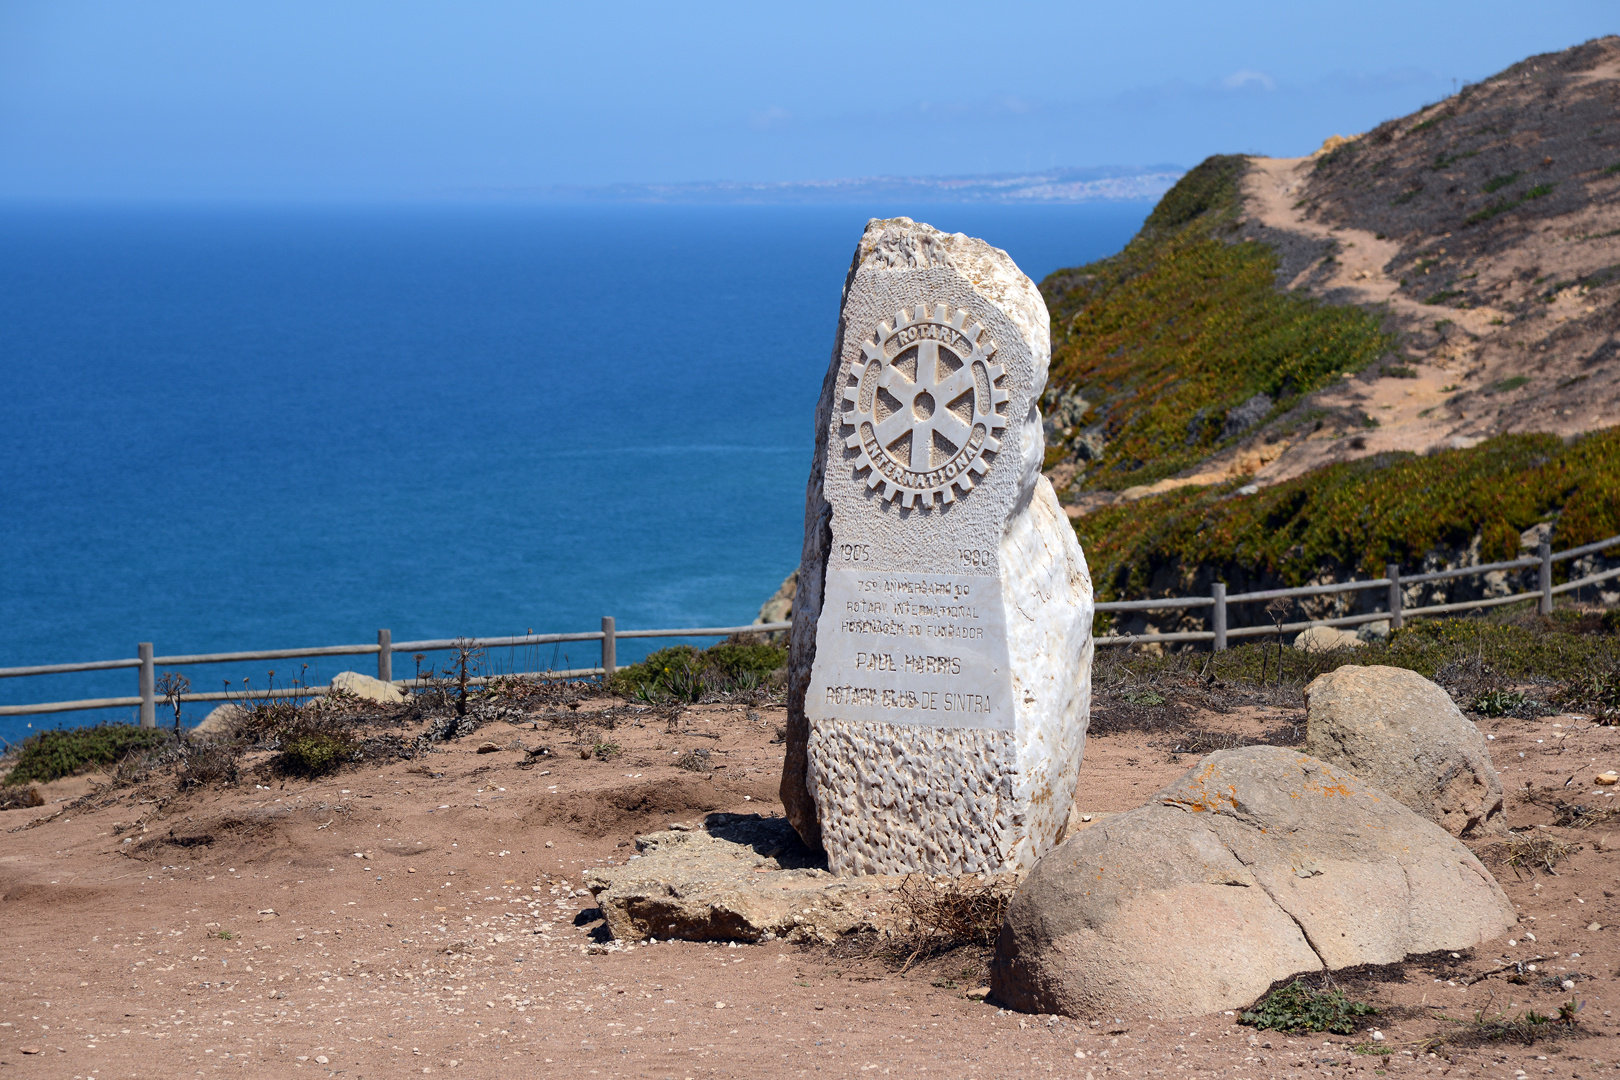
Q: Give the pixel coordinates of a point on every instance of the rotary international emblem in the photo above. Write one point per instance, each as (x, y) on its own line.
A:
(925, 406)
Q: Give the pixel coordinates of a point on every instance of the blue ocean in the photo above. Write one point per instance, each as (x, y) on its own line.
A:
(230, 429)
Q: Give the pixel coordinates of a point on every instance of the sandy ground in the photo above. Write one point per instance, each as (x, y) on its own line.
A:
(427, 916)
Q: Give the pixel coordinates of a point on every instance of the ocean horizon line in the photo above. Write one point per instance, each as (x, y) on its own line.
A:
(1065, 185)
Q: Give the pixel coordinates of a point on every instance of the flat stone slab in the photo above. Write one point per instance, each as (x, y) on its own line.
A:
(737, 877)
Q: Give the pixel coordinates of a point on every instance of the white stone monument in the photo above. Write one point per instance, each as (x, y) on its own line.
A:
(940, 671)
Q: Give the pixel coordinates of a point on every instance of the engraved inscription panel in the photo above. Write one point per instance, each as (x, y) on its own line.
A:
(910, 648)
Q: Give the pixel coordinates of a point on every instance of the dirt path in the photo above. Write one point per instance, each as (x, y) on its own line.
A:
(428, 916)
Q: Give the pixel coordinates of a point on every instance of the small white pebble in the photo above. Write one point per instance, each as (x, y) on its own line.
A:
(1378, 1036)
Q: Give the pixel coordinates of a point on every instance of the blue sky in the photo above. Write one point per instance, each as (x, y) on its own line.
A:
(385, 101)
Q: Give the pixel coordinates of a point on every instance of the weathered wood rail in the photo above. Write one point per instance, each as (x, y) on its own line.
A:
(1394, 611)
(385, 648)
(1219, 635)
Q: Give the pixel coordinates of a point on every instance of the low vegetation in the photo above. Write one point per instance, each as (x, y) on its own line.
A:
(1167, 338)
(1569, 654)
(1298, 1007)
(1356, 516)
(1526, 1029)
(684, 673)
(51, 755)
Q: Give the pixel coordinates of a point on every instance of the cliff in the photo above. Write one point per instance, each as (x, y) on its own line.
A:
(1401, 348)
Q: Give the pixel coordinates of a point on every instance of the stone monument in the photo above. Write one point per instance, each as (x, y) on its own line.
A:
(940, 670)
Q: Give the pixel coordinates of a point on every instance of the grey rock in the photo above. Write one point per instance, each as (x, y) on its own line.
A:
(740, 877)
(1400, 732)
(1317, 639)
(367, 688)
(1064, 411)
(1255, 865)
(779, 608)
(1246, 415)
(1374, 631)
(222, 721)
(1090, 446)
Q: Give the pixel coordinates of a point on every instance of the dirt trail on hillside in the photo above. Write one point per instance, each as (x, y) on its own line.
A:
(429, 916)
(1487, 227)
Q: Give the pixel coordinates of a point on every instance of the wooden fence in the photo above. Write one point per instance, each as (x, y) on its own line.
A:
(1394, 611)
(384, 650)
(1219, 634)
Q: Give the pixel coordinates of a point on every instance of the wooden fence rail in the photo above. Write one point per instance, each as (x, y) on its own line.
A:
(1394, 611)
(1219, 635)
(384, 650)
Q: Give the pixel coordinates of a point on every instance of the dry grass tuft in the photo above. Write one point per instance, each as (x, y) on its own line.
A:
(946, 914)
(1566, 815)
(1528, 853)
(18, 798)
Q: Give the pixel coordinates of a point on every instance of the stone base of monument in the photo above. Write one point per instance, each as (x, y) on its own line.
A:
(739, 877)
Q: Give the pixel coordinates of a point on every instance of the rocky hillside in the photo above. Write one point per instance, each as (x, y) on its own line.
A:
(1445, 279)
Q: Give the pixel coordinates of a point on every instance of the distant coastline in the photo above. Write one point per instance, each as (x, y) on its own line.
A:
(1070, 185)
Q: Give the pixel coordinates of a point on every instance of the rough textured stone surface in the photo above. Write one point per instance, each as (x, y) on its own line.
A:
(959, 554)
(221, 720)
(779, 608)
(1400, 732)
(364, 686)
(1256, 865)
(1317, 639)
(738, 878)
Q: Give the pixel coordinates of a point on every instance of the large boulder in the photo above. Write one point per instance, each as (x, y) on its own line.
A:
(1256, 865)
(367, 688)
(1400, 732)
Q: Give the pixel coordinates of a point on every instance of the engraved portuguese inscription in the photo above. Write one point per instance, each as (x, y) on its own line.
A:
(912, 649)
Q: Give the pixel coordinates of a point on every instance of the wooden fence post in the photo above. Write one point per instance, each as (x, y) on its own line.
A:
(1545, 551)
(1396, 600)
(1218, 591)
(385, 655)
(609, 648)
(148, 684)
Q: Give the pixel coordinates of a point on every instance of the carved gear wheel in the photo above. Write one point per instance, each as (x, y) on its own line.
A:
(925, 406)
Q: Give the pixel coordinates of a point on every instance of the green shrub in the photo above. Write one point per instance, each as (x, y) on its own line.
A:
(51, 755)
(1298, 1008)
(310, 752)
(1360, 515)
(1473, 656)
(685, 673)
(1167, 337)
(1497, 702)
